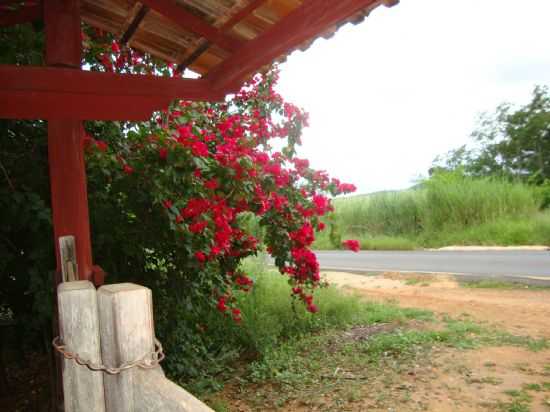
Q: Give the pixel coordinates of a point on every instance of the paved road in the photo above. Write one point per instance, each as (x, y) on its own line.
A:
(480, 264)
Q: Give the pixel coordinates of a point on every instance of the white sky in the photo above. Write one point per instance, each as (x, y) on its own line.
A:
(389, 95)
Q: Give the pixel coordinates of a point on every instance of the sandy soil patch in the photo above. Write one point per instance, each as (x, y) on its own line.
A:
(525, 312)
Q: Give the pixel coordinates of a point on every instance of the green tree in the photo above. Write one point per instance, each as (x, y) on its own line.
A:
(512, 142)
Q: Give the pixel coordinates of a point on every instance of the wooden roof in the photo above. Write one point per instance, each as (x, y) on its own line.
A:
(202, 35)
(225, 41)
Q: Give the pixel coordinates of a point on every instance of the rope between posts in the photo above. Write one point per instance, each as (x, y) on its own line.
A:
(149, 361)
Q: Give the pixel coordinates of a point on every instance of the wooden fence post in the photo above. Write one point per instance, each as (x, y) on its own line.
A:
(126, 320)
(127, 335)
(79, 329)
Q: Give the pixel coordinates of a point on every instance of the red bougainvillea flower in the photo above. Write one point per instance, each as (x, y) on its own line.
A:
(236, 314)
(163, 153)
(221, 304)
(199, 149)
(101, 145)
(351, 245)
(346, 188)
(211, 184)
(115, 47)
(312, 308)
(128, 169)
(201, 257)
(197, 227)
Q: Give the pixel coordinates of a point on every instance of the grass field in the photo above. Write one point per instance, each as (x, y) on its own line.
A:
(447, 209)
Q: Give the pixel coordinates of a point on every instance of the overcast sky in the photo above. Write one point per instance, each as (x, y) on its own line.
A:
(387, 96)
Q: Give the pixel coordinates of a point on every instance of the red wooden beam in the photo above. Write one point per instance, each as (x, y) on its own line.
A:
(22, 15)
(310, 19)
(59, 93)
(192, 23)
(63, 33)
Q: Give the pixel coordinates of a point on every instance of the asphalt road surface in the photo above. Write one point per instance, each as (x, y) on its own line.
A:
(477, 264)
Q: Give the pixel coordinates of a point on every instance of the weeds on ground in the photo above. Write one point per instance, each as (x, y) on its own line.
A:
(331, 362)
(271, 319)
(520, 401)
(500, 284)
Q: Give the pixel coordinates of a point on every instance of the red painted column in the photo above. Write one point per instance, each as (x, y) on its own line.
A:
(68, 189)
(65, 139)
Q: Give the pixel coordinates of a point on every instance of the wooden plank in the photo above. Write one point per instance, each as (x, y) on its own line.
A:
(67, 252)
(79, 328)
(241, 14)
(309, 20)
(190, 22)
(156, 393)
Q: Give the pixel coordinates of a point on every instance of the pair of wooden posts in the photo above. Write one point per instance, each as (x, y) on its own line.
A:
(105, 329)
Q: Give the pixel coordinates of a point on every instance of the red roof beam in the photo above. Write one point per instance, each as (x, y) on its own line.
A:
(44, 92)
(22, 15)
(309, 20)
(192, 23)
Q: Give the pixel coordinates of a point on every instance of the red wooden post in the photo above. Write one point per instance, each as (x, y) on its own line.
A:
(65, 146)
(68, 188)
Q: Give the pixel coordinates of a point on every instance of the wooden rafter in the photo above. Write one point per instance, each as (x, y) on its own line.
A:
(134, 24)
(192, 23)
(305, 22)
(205, 44)
(241, 14)
(41, 92)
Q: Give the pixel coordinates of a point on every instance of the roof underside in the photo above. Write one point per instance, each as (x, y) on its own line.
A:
(225, 41)
(202, 34)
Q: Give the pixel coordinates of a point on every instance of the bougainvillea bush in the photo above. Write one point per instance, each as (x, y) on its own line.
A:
(205, 165)
(197, 173)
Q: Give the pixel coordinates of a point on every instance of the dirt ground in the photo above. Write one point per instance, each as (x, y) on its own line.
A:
(506, 379)
(523, 312)
(471, 380)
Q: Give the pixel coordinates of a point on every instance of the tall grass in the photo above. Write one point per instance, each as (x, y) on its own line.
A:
(388, 213)
(448, 207)
(270, 316)
(455, 201)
